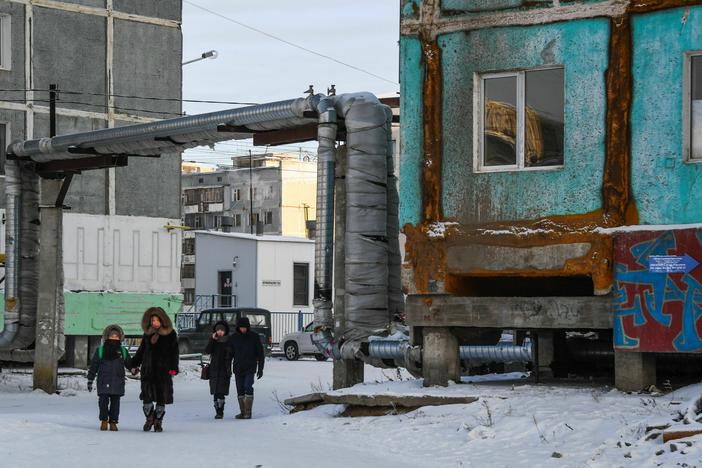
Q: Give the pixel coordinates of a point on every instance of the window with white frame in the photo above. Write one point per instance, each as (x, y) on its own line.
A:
(268, 217)
(237, 195)
(237, 220)
(5, 42)
(521, 117)
(693, 107)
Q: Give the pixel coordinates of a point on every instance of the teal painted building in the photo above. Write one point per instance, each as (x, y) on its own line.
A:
(533, 133)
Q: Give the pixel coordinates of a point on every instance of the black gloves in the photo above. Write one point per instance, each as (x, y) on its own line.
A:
(90, 385)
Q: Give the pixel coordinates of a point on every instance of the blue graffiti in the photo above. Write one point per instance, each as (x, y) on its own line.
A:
(659, 290)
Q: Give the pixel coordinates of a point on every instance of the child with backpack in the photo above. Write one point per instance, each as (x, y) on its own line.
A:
(108, 365)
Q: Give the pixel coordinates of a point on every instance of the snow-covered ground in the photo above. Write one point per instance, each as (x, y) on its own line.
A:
(513, 424)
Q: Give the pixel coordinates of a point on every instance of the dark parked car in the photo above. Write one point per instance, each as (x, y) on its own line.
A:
(194, 340)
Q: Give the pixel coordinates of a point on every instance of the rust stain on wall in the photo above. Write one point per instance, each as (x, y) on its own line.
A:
(649, 6)
(432, 113)
(616, 186)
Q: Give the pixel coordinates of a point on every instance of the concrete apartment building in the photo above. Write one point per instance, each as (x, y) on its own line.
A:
(279, 189)
(106, 56)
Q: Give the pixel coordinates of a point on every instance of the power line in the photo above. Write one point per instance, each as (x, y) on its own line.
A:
(292, 44)
(125, 96)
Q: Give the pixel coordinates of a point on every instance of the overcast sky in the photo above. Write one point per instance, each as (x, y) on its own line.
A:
(254, 68)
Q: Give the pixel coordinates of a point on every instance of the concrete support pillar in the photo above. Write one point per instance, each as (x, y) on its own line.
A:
(48, 333)
(634, 371)
(545, 353)
(440, 358)
(347, 373)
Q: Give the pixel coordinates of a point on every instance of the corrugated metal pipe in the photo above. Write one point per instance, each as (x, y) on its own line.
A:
(269, 116)
(402, 351)
(324, 232)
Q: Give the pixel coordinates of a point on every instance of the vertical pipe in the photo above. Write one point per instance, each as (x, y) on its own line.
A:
(324, 235)
(52, 110)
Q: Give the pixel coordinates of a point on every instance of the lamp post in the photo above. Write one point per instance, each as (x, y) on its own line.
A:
(210, 54)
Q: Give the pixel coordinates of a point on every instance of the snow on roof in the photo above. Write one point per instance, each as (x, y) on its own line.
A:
(264, 238)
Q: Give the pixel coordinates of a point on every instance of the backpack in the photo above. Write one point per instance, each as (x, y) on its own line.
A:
(125, 353)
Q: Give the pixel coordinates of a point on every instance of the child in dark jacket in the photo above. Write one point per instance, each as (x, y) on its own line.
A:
(108, 365)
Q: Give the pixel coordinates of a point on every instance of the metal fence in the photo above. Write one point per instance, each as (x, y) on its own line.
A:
(287, 322)
(281, 322)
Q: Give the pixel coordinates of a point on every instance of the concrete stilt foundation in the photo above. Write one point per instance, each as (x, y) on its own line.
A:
(545, 353)
(46, 351)
(634, 371)
(347, 373)
(440, 358)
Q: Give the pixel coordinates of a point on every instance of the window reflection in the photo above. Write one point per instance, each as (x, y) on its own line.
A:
(544, 118)
(500, 122)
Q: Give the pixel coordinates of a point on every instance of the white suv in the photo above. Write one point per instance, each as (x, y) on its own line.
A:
(298, 344)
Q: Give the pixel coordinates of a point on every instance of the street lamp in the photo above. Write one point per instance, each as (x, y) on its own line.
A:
(210, 54)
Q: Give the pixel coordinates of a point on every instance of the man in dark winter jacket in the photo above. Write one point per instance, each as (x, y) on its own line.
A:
(158, 357)
(220, 366)
(247, 353)
(108, 364)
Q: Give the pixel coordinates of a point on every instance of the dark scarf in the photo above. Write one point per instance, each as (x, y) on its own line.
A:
(111, 350)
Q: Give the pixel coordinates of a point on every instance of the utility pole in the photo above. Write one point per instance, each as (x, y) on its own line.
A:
(50, 297)
(251, 214)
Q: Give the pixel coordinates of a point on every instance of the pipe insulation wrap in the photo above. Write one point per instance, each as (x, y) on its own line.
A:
(366, 259)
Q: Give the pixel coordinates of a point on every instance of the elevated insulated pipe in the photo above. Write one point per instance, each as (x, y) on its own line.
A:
(366, 257)
(269, 116)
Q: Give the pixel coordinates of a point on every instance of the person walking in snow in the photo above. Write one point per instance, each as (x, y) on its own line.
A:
(247, 353)
(220, 366)
(158, 357)
(108, 365)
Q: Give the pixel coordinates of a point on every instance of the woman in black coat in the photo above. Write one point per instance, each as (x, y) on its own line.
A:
(158, 357)
(220, 366)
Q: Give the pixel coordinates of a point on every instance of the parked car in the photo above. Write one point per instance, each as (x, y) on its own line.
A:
(194, 340)
(300, 343)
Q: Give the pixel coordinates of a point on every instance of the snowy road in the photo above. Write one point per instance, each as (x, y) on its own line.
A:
(514, 424)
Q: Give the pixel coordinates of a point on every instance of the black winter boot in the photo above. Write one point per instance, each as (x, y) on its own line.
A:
(158, 418)
(219, 409)
(149, 413)
(242, 412)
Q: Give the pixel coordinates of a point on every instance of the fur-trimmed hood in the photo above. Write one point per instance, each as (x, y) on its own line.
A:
(166, 323)
(109, 329)
(222, 323)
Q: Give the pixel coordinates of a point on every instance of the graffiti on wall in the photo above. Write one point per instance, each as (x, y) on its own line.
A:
(658, 291)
